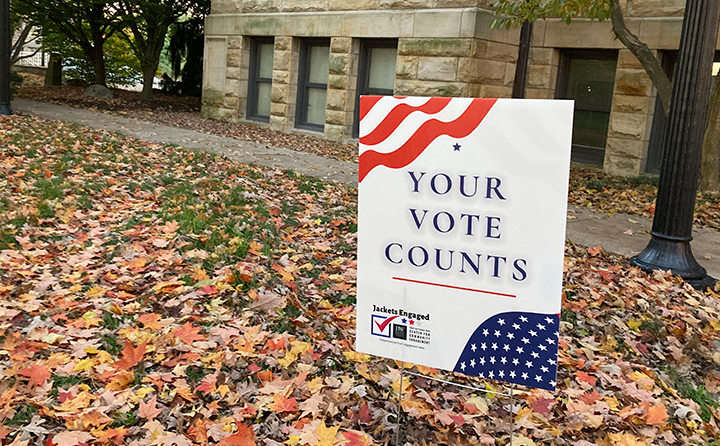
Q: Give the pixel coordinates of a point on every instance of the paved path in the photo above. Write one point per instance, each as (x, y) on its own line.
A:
(623, 234)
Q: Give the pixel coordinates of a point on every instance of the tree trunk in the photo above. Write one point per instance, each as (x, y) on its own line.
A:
(710, 164)
(95, 55)
(650, 63)
(148, 77)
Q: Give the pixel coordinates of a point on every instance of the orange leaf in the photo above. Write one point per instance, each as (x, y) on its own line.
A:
(114, 436)
(149, 410)
(584, 377)
(189, 333)
(244, 437)
(657, 415)
(150, 321)
(131, 356)
(356, 439)
(37, 374)
(281, 404)
(591, 398)
(595, 251)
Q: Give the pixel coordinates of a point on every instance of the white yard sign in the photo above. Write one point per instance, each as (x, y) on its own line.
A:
(462, 208)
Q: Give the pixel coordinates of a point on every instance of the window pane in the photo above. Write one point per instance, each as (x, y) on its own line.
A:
(590, 84)
(319, 56)
(263, 98)
(382, 68)
(266, 60)
(316, 106)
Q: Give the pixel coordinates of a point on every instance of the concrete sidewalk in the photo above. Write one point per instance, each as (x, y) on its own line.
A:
(623, 234)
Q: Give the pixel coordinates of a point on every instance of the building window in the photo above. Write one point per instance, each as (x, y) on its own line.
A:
(260, 79)
(376, 73)
(588, 77)
(312, 84)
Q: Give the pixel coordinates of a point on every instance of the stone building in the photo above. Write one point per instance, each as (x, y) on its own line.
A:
(300, 66)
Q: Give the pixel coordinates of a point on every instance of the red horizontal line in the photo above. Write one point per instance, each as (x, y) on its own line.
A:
(454, 287)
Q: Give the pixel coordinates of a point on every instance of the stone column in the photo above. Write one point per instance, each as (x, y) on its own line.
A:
(236, 78)
(630, 118)
(284, 85)
(215, 65)
(342, 81)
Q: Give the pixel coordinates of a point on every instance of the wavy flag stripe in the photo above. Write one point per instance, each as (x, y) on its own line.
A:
(366, 104)
(426, 134)
(398, 115)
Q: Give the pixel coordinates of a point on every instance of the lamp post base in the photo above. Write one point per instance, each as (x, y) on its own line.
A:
(674, 254)
(5, 109)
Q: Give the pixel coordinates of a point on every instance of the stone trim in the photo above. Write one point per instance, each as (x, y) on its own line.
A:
(401, 23)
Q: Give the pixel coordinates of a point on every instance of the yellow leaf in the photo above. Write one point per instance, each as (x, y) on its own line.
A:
(83, 366)
(316, 384)
(522, 441)
(354, 356)
(143, 392)
(326, 435)
(715, 325)
(96, 291)
(292, 440)
(51, 338)
(634, 324)
(480, 404)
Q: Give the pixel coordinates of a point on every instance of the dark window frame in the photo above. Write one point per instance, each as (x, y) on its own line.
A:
(363, 79)
(254, 78)
(304, 84)
(563, 76)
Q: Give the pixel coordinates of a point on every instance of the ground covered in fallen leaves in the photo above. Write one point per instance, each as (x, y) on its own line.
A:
(150, 295)
(588, 186)
(183, 112)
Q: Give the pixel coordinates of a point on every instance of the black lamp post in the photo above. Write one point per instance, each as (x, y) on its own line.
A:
(5, 41)
(669, 247)
(521, 68)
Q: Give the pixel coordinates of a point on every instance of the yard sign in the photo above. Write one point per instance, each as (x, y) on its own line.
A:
(462, 208)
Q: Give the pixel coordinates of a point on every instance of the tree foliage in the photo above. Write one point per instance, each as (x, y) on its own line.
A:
(122, 68)
(85, 23)
(145, 26)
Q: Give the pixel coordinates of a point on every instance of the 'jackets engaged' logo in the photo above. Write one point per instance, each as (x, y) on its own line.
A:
(381, 325)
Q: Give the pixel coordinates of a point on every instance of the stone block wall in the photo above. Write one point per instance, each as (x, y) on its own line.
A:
(342, 87)
(542, 73)
(465, 67)
(630, 117)
(286, 57)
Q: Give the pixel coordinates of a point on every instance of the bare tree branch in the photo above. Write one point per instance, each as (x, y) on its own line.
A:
(650, 63)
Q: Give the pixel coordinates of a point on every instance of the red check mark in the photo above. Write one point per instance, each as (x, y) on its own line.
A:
(385, 323)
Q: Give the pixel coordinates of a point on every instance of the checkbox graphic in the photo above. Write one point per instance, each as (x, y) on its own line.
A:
(381, 325)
